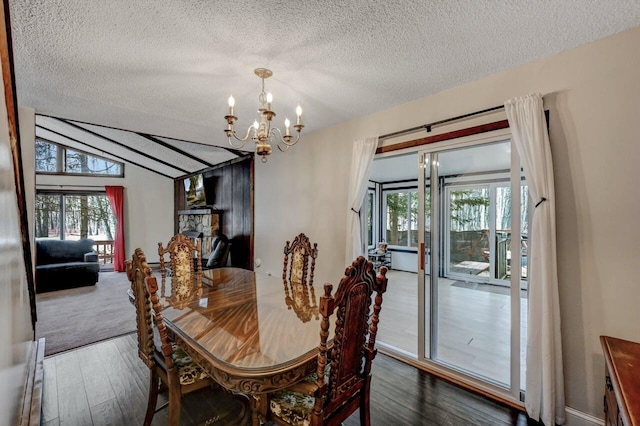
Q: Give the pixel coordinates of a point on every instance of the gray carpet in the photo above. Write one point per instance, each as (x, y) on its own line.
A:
(75, 317)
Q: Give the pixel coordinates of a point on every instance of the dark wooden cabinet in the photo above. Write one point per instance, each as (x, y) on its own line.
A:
(622, 381)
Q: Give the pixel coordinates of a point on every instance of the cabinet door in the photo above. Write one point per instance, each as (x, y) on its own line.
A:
(611, 412)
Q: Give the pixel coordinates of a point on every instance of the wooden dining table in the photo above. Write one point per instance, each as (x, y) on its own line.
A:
(245, 333)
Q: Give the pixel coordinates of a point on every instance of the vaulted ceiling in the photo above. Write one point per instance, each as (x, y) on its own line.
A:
(166, 68)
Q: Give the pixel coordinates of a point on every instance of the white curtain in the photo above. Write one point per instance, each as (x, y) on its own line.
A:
(545, 380)
(363, 153)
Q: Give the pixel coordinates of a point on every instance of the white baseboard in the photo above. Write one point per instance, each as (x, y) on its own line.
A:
(578, 418)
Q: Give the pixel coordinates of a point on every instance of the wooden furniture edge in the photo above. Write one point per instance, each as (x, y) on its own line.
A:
(248, 381)
(32, 400)
(613, 371)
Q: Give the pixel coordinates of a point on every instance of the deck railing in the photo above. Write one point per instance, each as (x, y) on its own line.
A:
(104, 248)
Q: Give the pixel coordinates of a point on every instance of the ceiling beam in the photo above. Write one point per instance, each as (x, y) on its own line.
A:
(174, 149)
(233, 151)
(126, 160)
(246, 155)
(144, 154)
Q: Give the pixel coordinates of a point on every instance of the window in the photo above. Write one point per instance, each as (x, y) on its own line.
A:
(401, 218)
(74, 216)
(55, 158)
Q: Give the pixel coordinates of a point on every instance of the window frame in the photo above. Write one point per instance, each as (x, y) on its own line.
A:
(371, 192)
(61, 206)
(61, 157)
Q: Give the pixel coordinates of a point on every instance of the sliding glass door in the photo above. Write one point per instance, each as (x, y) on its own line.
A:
(472, 262)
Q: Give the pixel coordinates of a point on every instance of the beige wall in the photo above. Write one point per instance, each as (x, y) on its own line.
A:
(148, 205)
(593, 94)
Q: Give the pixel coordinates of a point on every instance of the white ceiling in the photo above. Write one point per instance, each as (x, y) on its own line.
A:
(167, 67)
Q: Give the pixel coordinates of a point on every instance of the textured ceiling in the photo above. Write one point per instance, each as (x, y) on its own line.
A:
(167, 67)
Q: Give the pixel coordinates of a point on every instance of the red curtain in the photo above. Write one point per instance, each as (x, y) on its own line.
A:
(116, 198)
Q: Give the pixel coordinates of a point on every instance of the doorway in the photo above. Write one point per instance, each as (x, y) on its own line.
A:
(466, 294)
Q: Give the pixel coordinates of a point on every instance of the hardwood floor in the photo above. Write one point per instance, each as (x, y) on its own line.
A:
(106, 384)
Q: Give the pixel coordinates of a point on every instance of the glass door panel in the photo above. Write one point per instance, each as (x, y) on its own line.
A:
(470, 313)
(397, 180)
(424, 253)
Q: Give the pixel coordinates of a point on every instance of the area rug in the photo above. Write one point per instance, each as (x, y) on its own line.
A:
(491, 288)
(68, 319)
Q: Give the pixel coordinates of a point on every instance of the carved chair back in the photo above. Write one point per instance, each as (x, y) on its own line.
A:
(185, 262)
(353, 349)
(296, 260)
(136, 271)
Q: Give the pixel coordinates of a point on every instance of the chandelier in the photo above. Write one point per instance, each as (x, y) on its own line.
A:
(262, 133)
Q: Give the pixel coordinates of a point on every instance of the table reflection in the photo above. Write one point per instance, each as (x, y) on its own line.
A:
(302, 299)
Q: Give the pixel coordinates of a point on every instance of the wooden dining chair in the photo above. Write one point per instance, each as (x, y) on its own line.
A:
(168, 363)
(185, 270)
(342, 381)
(296, 260)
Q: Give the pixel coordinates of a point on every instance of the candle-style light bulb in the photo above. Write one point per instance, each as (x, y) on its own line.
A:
(287, 123)
(232, 102)
(255, 124)
(298, 113)
(269, 100)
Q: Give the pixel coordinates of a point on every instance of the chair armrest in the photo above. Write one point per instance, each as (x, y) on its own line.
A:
(92, 256)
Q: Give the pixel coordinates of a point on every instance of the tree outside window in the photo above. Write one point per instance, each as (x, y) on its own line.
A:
(71, 217)
(402, 218)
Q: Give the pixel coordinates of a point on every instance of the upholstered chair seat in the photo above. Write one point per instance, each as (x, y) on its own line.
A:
(188, 371)
(295, 407)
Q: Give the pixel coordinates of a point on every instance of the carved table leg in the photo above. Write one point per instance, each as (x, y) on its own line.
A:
(258, 409)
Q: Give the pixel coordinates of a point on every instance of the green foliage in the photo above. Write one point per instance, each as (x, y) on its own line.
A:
(467, 206)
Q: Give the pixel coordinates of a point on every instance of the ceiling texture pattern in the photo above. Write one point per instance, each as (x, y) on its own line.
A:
(167, 67)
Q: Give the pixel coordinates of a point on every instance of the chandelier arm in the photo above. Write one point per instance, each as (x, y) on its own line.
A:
(243, 140)
(288, 144)
(285, 149)
(276, 134)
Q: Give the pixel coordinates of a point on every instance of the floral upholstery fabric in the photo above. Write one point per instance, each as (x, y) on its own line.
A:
(294, 407)
(182, 281)
(188, 371)
(297, 265)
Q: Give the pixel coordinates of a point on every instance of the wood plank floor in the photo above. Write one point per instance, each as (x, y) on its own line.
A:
(106, 384)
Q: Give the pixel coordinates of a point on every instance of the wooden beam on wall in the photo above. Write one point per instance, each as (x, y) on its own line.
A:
(11, 101)
(483, 128)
